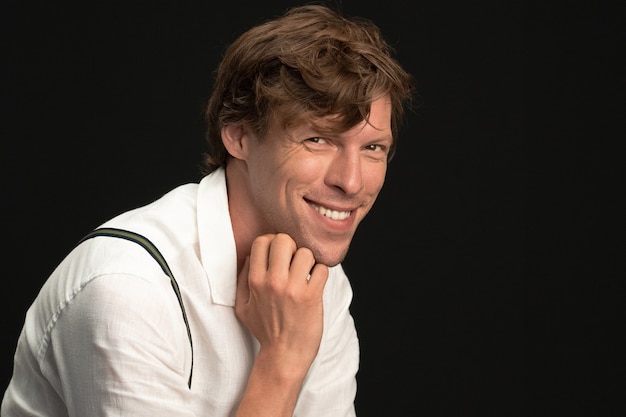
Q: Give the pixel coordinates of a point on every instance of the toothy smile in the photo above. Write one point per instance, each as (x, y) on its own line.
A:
(332, 214)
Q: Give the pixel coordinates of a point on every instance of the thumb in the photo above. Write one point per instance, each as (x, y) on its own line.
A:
(243, 288)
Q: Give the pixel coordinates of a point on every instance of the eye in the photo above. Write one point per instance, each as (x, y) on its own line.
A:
(376, 151)
(316, 140)
(376, 148)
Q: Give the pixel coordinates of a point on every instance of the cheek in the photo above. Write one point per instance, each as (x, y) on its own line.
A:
(304, 169)
(374, 178)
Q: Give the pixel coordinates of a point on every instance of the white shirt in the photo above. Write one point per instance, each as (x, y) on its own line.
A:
(106, 337)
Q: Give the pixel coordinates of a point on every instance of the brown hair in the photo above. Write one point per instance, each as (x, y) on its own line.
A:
(309, 63)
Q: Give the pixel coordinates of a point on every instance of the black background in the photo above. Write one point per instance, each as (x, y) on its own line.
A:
(483, 277)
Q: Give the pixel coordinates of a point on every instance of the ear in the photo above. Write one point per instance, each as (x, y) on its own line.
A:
(234, 139)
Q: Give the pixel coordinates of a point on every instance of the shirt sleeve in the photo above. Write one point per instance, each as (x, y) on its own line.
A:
(120, 347)
(330, 386)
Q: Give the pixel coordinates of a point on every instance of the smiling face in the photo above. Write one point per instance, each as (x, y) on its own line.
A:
(315, 187)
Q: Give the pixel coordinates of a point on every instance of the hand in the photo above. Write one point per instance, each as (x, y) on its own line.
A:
(279, 299)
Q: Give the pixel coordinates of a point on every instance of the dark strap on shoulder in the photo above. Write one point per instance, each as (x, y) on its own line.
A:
(156, 254)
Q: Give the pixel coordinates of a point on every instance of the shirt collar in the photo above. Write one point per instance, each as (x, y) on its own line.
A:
(218, 252)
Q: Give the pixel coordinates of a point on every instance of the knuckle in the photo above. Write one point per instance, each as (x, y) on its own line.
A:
(284, 238)
(275, 284)
(306, 252)
(263, 240)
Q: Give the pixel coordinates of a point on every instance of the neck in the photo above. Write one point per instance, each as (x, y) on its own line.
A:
(244, 221)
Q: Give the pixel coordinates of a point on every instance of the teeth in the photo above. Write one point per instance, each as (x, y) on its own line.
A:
(333, 214)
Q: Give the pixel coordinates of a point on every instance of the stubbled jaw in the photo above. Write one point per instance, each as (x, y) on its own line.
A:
(332, 214)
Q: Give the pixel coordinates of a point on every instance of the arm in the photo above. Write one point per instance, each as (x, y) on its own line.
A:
(120, 345)
(284, 311)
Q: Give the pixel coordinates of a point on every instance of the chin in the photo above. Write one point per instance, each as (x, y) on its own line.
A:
(330, 258)
(327, 251)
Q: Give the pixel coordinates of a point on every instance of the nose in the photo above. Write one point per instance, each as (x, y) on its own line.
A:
(345, 172)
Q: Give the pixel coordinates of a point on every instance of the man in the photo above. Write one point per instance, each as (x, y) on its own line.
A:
(241, 307)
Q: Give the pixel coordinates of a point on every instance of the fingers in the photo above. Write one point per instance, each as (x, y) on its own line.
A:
(301, 265)
(319, 275)
(281, 253)
(278, 279)
(277, 257)
(258, 258)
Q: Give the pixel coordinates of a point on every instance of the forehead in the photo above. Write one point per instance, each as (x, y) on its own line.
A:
(379, 117)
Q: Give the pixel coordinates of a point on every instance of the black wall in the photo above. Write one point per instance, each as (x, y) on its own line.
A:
(481, 272)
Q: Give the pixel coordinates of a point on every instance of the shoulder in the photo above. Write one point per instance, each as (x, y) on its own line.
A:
(166, 219)
(123, 292)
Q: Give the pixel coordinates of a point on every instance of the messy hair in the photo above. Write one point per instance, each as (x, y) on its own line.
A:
(307, 64)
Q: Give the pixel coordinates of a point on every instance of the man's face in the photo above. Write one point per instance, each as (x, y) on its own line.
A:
(318, 188)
